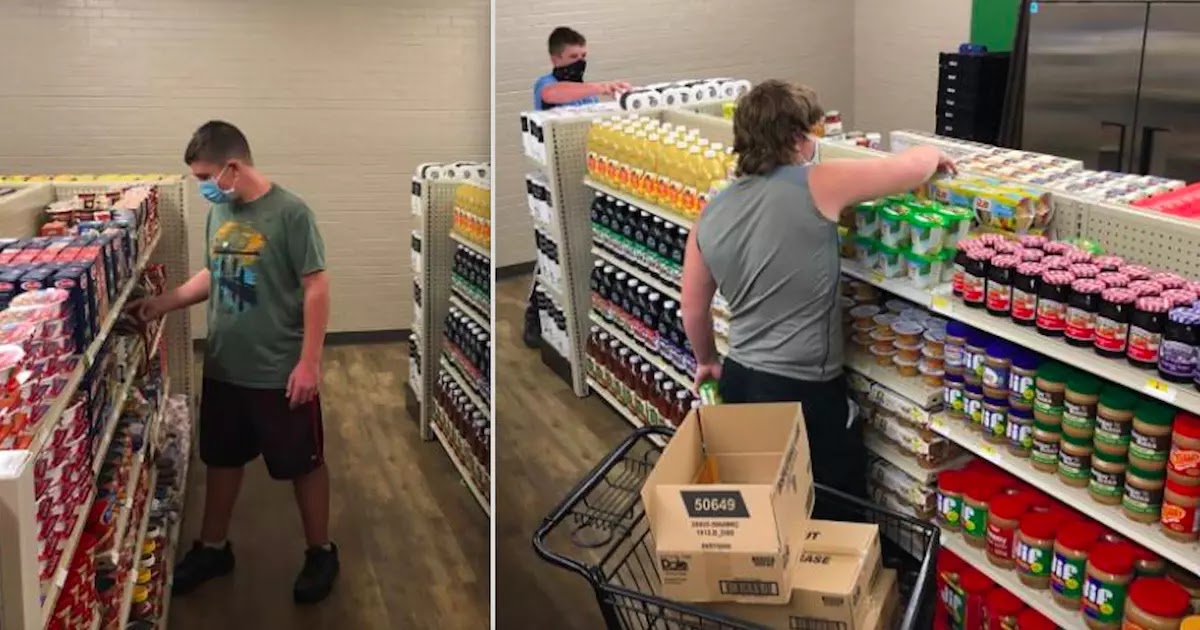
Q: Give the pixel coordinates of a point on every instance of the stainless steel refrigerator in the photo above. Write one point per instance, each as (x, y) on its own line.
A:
(1115, 84)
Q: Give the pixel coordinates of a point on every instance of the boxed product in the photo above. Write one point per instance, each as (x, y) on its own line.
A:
(729, 502)
(836, 582)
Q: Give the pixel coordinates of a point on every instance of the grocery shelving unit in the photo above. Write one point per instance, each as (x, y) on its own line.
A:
(26, 601)
(559, 160)
(1137, 235)
(435, 244)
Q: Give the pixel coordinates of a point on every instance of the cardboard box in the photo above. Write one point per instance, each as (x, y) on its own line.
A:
(834, 581)
(885, 603)
(731, 541)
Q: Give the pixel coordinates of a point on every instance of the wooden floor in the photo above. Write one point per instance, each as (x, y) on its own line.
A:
(547, 440)
(414, 544)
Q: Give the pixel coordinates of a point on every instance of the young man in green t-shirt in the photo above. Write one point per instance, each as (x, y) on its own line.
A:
(268, 307)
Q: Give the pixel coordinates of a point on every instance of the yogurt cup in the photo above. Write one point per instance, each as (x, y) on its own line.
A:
(958, 224)
(883, 353)
(891, 262)
(866, 219)
(927, 231)
(907, 332)
(866, 251)
(906, 367)
(923, 270)
(893, 228)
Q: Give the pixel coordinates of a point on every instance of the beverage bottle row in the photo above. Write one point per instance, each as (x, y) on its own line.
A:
(475, 269)
(469, 423)
(645, 390)
(668, 165)
(474, 200)
(651, 242)
(470, 338)
(654, 320)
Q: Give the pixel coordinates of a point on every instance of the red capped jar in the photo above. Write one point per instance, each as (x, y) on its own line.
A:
(1136, 272)
(1112, 322)
(1146, 288)
(1001, 609)
(950, 486)
(1146, 325)
(1155, 604)
(1109, 262)
(1053, 294)
(1183, 463)
(975, 273)
(1169, 280)
(1004, 518)
(1084, 270)
(975, 587)
(1113, 279)
(1055, 262)
(999, 286)
(1082, 307)
(1027, 279)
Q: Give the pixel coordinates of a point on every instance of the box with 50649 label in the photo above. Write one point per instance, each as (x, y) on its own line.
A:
(729, 503)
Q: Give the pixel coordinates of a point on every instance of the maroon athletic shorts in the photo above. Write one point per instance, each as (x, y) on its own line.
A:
(237, 424)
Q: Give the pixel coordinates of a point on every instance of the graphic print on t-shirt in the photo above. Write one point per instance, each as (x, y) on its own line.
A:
(233, 262)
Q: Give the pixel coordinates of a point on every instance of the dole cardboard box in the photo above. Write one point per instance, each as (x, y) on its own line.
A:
(834, 580)
(729, 502)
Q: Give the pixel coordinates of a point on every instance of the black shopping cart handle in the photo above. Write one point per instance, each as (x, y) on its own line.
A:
(581, 491)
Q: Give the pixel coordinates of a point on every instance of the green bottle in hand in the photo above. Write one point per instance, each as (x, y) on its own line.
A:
(709, 394)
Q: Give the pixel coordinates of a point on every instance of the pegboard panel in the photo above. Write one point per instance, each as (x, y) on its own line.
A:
(1069, 216)
(566, 139)
(1157, 240)
(437, 257)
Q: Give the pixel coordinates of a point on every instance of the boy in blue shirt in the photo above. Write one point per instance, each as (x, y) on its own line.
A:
(564, 86)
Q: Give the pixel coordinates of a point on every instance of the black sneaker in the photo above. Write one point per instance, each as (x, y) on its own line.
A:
(200, 565)
(316, 578)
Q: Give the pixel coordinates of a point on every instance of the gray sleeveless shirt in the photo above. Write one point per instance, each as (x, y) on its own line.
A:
(775, 259)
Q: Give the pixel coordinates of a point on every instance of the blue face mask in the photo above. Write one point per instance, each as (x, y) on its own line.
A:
(212, 191)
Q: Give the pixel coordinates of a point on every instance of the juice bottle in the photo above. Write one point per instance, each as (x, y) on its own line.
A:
(662, 186)
(628, 155)
(618, 156)
(595, 130)
(676, 165)
(637, 162)
(714, 176)
(693, 180)
(650, 166)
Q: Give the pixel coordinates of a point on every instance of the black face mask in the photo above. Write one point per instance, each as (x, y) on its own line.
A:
(572, 72)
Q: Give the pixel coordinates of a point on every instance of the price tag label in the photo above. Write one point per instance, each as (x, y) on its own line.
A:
(937, 422)
(60, 578)
(916, 415)
(1160, 389)
(939, 303)
(988, 452)
(877, 278)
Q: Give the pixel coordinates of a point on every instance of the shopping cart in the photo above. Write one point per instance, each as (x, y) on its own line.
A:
(602, 525)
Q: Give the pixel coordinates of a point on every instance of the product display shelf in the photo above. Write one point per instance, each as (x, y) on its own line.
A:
(169, 557)
(468, 386)
(630, 417)
(648, 279)
(127, 506)
(471, 312)
(903, 460)
(907, 387)
(127, 593)
(480, 497)
(1041, 601)
(469, 294)
(471, 245)
(25, 605)
(114, 418)
(59, 577)
(93, 351)
(459, 360)
(1186, 555)
(665, 214)
(654, 359)
(1182, 395)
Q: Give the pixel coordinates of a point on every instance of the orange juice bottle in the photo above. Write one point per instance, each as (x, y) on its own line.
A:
(649, 166)
(658, 193)
(714, 178)
(637, 162)
(612, 146)
(693, 174)
(618, 155)
(625, 172)
(678, 175)
(595, 131)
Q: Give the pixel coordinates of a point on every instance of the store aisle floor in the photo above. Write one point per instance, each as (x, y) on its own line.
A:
(414, 545)
(548, 439)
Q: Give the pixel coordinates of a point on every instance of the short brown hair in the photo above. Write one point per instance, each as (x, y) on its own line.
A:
(562, 37)
(217, 142)
(769, 120)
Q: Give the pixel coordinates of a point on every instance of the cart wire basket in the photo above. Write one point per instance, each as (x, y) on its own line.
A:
(600, 532)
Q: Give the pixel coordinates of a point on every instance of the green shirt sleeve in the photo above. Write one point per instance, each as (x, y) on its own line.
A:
(306, 249)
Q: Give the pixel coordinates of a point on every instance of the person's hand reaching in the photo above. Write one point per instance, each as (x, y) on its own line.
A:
(705, 372)
(147, 309)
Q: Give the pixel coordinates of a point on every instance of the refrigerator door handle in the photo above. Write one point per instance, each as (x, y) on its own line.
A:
(1120, 157)
(1146, 159)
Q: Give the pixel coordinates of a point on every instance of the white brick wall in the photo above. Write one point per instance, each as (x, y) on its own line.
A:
(339, 100)
(643, 41)
(896, 46)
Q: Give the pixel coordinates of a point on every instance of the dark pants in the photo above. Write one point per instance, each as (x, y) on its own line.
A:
(237, 424)
(839, 456)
